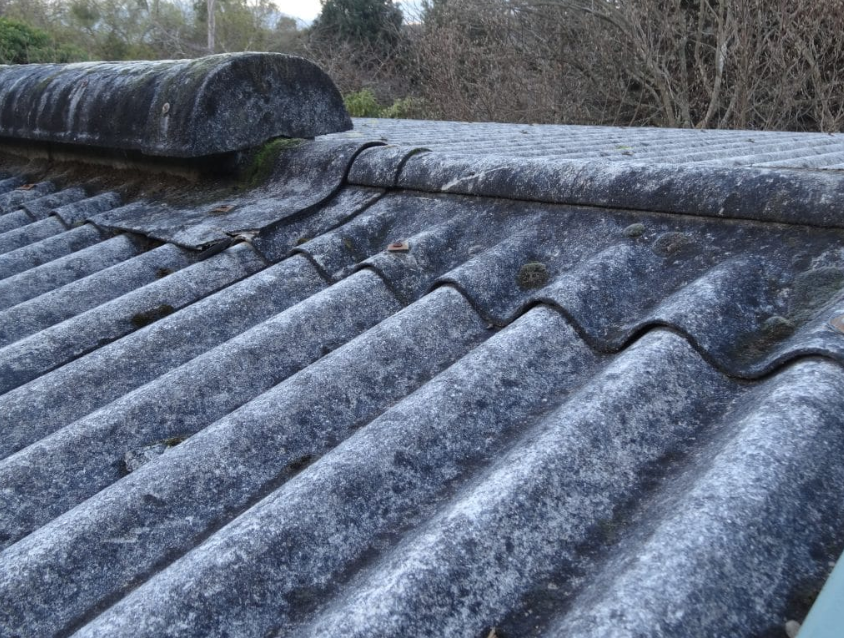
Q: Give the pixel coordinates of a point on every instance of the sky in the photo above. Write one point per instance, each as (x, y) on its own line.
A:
(305, 10)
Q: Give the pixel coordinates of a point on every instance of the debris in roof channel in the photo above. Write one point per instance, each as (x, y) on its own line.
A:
(362, 389)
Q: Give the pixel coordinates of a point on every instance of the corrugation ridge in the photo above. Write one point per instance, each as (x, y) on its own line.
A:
(751, 487)
(29, 234)
(59, 305)
(13, 220)
(375, 481)
(47, 250)
(41, 279)
(238, 459)
(53, 400)
(10, 183)
(687, 153)
(13, 200)
(55, 346)
(720, 154)
(822, 160)
(752, 372)
(587, 142)
(181, 403)
(542, 497)
(84, 209)
(41, 207)
(288, 526)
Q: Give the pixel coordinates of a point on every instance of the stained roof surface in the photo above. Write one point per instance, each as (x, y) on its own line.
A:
(391, 392)
(616, 144)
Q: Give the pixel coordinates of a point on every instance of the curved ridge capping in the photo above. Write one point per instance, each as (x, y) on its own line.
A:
(175, 108)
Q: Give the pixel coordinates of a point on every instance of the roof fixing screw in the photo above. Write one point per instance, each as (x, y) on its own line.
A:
(837, 323)
(398, 247)
(166, 108)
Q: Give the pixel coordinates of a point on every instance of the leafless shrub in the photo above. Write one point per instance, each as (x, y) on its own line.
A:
(691, 63)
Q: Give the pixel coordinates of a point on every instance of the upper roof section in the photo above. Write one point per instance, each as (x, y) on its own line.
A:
(175, 108)
(614, 144)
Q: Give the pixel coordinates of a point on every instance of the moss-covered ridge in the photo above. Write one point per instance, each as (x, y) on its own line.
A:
(182, 108)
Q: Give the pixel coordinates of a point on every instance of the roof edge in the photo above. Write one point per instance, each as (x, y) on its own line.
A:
(756, 194)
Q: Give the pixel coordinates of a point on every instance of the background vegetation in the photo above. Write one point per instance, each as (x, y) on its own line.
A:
(750, 64)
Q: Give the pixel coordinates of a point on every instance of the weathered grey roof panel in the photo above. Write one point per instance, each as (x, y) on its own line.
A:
(379, 406)
(610, 143)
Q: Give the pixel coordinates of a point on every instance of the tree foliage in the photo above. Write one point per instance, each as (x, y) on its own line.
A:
(749, 64)
(156, 29)
(376, 23)
(23, 44)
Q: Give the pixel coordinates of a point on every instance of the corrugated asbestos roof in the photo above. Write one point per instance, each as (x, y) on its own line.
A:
(612, 144)
(395, 393)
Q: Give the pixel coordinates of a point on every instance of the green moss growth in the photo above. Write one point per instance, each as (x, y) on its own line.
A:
(147, 317)
(813, 289)
(777, 328)
(262, 163)
(363, 103)
(634, 230)
(532, 275)
(672, 243)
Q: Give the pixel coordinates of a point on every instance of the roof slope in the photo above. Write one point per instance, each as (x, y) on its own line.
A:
(378, 411)
(768, 149)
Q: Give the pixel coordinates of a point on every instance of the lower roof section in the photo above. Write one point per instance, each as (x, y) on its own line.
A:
(388, 411)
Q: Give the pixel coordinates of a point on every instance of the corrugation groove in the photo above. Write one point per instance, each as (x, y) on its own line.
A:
(72, 391)
(740, 529)
(41, 207)
(30, 234)
(231, 462)
(725, 148)
(47, 250)
(534, 418)
(36, 281)
(89, 292)
(37, 354)
(12, 221)
(181, 402)
(14, 199)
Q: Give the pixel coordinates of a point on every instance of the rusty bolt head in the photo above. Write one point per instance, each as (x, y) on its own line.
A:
(837, 323)
(166, 108)
(398, 247)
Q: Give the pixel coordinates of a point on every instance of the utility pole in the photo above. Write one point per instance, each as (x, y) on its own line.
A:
(212, 25)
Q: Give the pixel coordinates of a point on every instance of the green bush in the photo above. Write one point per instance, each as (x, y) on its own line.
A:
(363, 103)
(23, 44)
(404, 108)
